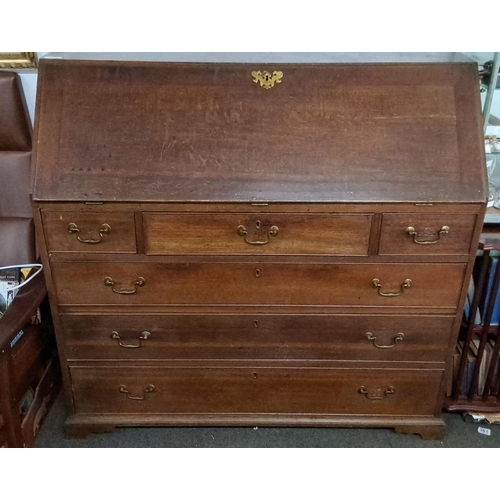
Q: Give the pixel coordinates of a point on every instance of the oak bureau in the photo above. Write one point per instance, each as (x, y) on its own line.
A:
(271, 243)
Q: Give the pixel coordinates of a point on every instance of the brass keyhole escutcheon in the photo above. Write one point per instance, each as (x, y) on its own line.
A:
(257, 273)
(266, 79)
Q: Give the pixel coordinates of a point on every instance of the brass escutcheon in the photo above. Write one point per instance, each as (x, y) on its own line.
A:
(410, 230)
(267, 80)
(104, 229)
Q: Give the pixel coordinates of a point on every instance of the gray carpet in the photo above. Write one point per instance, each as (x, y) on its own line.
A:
(460, 434)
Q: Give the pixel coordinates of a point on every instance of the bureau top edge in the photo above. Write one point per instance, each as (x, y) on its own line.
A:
(267, 57)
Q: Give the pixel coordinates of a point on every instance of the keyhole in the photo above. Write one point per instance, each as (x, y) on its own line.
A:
(256, 323)
(257, 224)
(257, 273)
(254, 375)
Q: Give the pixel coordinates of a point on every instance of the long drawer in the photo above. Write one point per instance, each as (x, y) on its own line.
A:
(255, 390)
(258, 336)
(244, 233)
(384, 285)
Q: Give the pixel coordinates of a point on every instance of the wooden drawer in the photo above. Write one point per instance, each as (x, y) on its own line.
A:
(89, 232)
(256, 336)
(96, 283)
(255, 390)
(426, 234)
(269, 234)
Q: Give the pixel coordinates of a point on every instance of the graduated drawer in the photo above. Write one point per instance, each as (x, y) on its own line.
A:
(114, 283)
(255, 390)
(89, 232)
(257, 336)
(250, 233)
(426, 234)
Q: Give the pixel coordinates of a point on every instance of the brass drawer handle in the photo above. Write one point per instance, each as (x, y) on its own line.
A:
(110, 282)
(105, 229)
(377, 394)
(406, 284)
(273, 231)
(150, 388)
(143, 336)
(410, 230)
(397, 338)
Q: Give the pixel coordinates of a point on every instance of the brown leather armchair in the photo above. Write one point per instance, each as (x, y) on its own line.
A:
(28, 368)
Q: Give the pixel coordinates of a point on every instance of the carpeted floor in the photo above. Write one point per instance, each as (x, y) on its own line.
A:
(460, 434)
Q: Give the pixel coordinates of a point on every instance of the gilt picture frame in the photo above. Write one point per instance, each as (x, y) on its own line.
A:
(18, 60)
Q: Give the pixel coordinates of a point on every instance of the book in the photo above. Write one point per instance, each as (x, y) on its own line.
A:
(495, 382)
(468, 303)
(452, 376)
(495, 317)
(467, 374)
(8, 279)
(485, 363)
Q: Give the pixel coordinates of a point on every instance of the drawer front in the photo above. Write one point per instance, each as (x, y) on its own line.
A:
(96, 283)
(255, 390)
(261, 234)
(257, 336)
(89, 232)
(429, 234)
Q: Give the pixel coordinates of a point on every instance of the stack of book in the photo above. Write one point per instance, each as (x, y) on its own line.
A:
(484, 303)
(470, 366)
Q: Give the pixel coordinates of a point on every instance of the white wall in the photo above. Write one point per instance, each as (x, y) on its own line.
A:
(29, 81)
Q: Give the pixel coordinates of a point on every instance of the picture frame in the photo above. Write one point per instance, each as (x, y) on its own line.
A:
(18, 60)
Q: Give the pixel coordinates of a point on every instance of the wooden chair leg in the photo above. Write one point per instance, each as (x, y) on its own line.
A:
(10, 416)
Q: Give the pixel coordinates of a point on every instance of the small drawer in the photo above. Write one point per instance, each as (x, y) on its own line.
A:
(89, 232)
(261, 234)
(231, 284)
(426, 234)
(255, 390)
(257, 336)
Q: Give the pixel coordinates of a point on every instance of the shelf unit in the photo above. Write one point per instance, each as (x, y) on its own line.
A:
(467, 395)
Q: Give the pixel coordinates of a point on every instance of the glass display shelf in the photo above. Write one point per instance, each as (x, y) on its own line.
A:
(490, 97)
